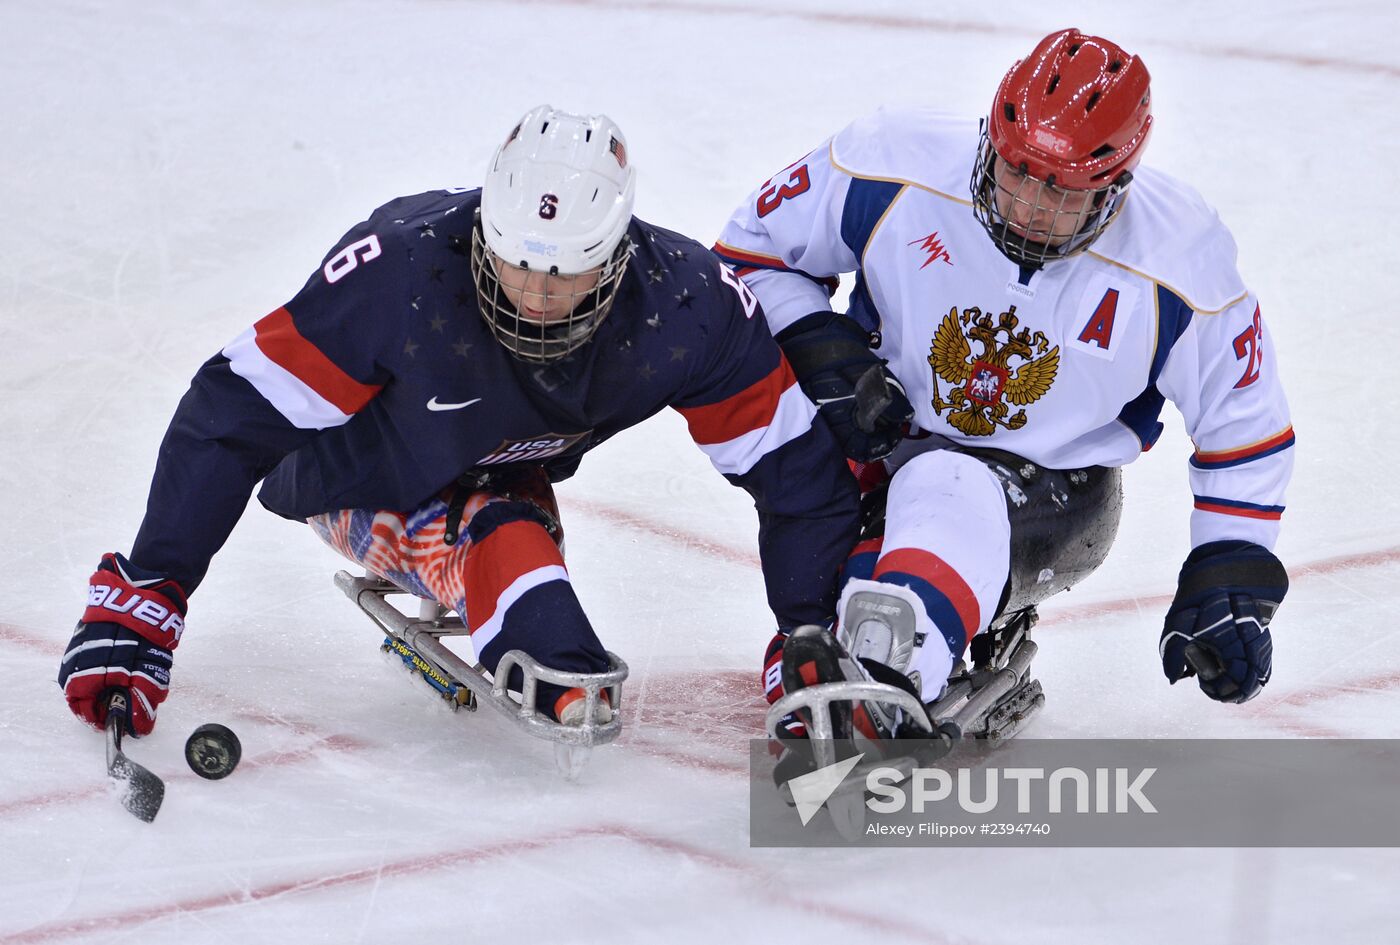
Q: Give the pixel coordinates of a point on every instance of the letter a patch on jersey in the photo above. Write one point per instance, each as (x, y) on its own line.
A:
(1099, 330)
(1096, 333)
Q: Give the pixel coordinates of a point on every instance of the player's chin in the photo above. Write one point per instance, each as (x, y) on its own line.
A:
(1032, 237)
(541, 319)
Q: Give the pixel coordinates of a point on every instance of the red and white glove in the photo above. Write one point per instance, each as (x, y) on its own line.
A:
(132, 623)
(791, 726)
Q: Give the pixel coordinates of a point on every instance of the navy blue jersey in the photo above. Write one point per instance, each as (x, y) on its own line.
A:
(379, 384)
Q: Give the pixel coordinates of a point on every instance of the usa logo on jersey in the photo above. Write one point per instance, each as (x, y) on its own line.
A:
(536, 448)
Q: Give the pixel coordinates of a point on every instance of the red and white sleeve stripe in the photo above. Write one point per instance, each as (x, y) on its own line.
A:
(740, 430)
(295, 376)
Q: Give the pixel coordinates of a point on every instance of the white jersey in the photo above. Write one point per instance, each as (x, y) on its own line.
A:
(1069, 365)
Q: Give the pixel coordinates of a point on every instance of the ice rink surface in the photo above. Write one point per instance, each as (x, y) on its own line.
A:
(170, 172)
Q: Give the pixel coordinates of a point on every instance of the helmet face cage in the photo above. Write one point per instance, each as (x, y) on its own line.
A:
(1058, 223)
(542, 341)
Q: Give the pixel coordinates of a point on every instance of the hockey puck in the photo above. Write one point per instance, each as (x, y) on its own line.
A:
(212, 751)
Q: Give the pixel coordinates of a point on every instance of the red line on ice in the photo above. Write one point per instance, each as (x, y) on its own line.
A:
(1341, 563)
(683, 537)
(770, 888)
(275, 759)
(1324, 566)
(31, 640)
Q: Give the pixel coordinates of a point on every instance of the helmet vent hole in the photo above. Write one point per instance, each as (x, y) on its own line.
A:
(595, 195)
(1103, 150)
(1009, 109)
(1072, 50)
(1054, 84)
(1115, 65)
(588, 135)
(544, 127)
(1093, 100)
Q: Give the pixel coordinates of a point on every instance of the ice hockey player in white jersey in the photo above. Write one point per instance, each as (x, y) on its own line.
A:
(1026, 296)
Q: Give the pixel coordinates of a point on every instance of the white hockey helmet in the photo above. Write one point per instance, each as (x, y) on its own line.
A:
(558, 195)
(557, 199)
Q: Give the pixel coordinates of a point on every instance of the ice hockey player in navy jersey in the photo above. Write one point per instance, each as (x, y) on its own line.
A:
(1026, 298)
(455, 355)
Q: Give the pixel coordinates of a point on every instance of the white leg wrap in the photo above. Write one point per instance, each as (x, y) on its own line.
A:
(946, 528)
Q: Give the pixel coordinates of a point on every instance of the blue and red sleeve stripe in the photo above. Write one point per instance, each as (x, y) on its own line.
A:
(1210, 503)
(1224, 459)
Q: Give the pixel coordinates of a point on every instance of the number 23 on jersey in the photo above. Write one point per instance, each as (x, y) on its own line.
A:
(798, 182)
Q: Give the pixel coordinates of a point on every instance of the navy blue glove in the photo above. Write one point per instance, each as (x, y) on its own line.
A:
(861, 401)
(1218, 626)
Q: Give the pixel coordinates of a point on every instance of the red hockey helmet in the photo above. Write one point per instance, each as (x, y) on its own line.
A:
(1076, 112)
(1072, 117)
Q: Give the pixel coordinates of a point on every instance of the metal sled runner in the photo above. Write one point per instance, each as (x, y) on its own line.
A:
(990, 701)
(418, 642)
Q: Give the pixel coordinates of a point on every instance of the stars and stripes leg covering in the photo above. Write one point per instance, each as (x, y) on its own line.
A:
(505, 576)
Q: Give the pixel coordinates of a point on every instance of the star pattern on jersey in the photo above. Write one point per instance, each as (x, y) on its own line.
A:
(436, 273)
(410, 347)
(685, 299)
(426, 230)
(678, 254)
(460, 245)
(461, 348)
(678, 353)
(655, 321)
(413, 301)
(463, 298)
(656, 274)
(646, 371)
(437, 323)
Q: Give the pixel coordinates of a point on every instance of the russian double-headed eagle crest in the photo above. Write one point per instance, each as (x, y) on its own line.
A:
(983, 383)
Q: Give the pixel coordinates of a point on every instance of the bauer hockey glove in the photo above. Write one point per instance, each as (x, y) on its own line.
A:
(861, 401)
(1218, 626)
(132, 623)
(791, 726)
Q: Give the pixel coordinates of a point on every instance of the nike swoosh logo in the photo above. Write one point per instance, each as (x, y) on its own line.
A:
(434, 405)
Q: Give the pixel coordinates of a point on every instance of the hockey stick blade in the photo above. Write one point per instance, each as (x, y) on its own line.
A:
(141, 792)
